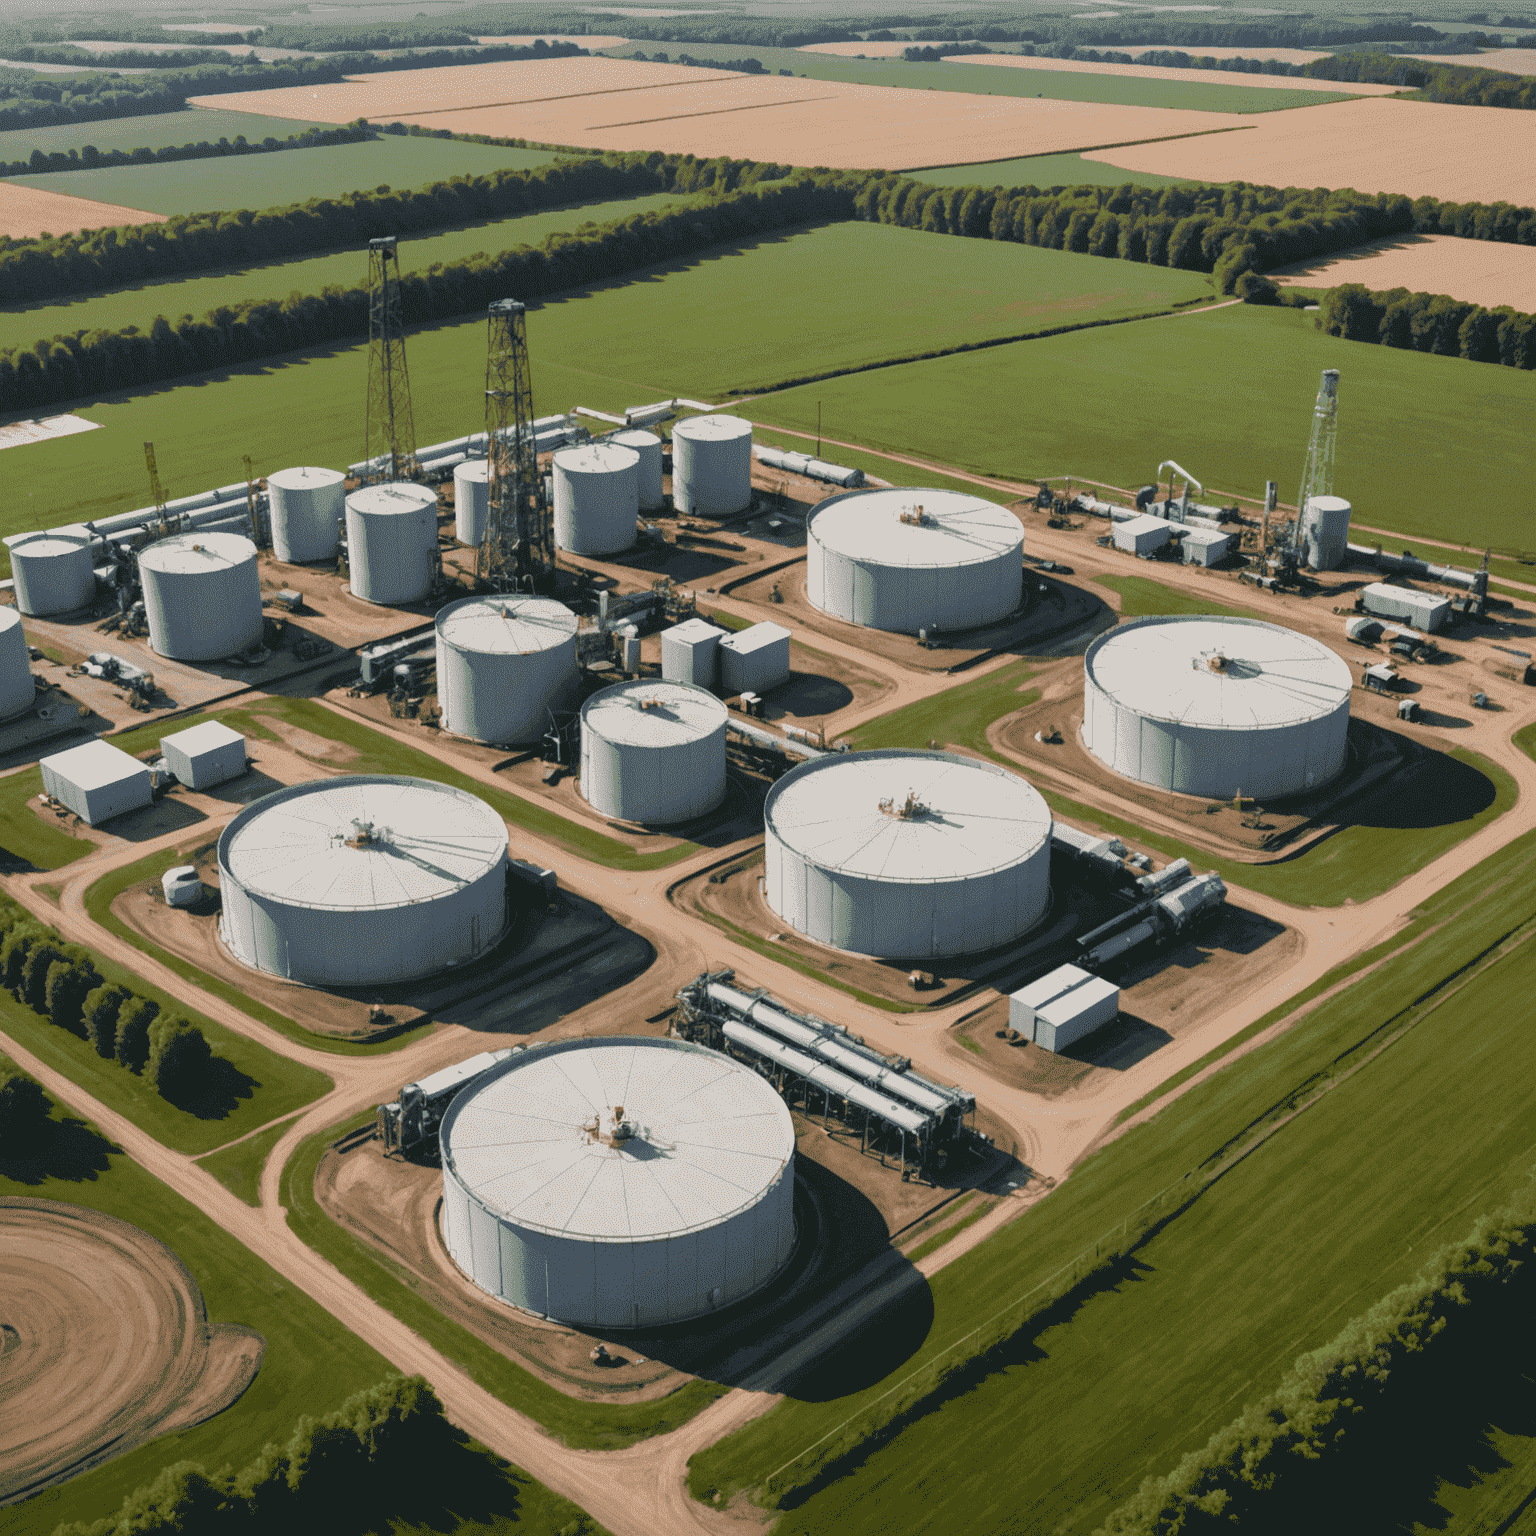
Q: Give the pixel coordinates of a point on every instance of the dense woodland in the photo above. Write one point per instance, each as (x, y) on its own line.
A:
(89, 158)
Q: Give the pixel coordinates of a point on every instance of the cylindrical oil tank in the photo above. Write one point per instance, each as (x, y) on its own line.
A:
(471, 501)
(907, 855)
(619, 1182)
(648, 447)
(307, 505)
(1325, 532)
(502, 662)
(1216, 706)
(362, 880)
(906, 559)
(53, 573)
(653, 751)
(712, 466)
(16, 689)
(202, 595)
(597, 499)
(392, 541)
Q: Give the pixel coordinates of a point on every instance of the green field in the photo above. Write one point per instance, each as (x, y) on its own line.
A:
(1274, 1258)
(142, 303)
(294, 176)
(1220, 95)
(238, 1167)
(155, 130)
(1044, 171)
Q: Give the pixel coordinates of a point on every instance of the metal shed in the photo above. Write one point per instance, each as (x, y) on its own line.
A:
(755, 660)
(1204, 546)
(690, 653)
(1424, 610)
(1141, 535)
(1065, 1020)
(97, 781)
(204, 755)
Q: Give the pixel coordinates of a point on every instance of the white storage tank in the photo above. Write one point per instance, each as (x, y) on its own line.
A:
(653, 752)
(618, 1182)
(755, 659)
(690, 653)
(392, 542)
(17, 692)
(1216, 706)
(711, 466)
(1325, 532)
(906, 559)
(206, 755)
(646, 446)
(363, 880)
(1141, 535)
(597, 499)
(53, 573)
(97, 781)
(907, 855)
(471, 501)
(181, 886)
(306, 506)
(502, 662)
(202, 595)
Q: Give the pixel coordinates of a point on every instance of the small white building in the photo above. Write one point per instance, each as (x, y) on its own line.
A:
(755, 660)
(1063, 1007)
(690, 653)
(97, 781)
(1424, 610)
(1141, 535)
(1204, 546)
(204, 755)
(1025, 1004)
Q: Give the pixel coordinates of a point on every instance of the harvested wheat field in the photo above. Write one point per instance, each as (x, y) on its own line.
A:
(106, 1343)
(29, 211)
(1280, 55)
(1423, 149)
(1514, 61)
(1186, 76)
(1483, 272)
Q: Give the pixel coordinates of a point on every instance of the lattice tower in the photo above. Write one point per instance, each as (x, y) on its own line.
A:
(389, 430)
(1317, 474)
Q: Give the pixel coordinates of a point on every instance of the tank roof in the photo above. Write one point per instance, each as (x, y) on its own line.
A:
(605, 458)
(362, 841)
(648, 713)
(956, 527)
(187, 554)
(907, 816)
(1218, 673)
(393, 497)
(506, 626)
(9, 618)
(634, 437)
(304, 477)
(473, 469)
(34, 546)
(533, 1142)
(714, 428)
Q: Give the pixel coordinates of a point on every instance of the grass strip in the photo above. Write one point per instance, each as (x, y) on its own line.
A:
(580, 1424)
(1140, 597)
(238, 1167)
(938, 1240)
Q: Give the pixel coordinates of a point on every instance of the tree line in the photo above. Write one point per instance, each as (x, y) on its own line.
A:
(126, 57)
(1428, 322)
(89, 158)
(24, 1110)
(1459, 84)
(61, 982)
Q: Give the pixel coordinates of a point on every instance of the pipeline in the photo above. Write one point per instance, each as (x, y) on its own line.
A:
(1411, 565)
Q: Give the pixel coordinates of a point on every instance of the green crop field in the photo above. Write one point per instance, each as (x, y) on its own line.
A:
(1044, 171)
(140, 304)
(293, 176)
(155, 130)
(1341, 1204)
(1218, 96)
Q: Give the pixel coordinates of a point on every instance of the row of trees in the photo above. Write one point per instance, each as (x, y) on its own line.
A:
(1429, 322)
(24, 1110)
(1461, 84)
(127, 57)
(89, 158)
(61, 981)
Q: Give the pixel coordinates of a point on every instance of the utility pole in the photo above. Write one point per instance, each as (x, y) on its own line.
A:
(818, 429)
(389, 432)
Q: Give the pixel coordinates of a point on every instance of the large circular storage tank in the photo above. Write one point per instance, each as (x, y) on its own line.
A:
(619, 1183)
(648, 447)
(307, 505)
(362, 880)
(471, 501)
(16, 690)
(597, 499)
(202, 595)
(1325, 532)
(653, 751)
(906, 559)
(501, 663)
(53, 573)
(1216, 706)
(904, 855)
(392, 541)
(712, 466)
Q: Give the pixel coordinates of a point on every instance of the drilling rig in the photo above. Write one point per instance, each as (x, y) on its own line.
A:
(389, 432)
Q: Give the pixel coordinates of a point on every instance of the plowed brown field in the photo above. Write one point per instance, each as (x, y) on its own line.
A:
(1483, 272)
(1187, 76)
(29, 211)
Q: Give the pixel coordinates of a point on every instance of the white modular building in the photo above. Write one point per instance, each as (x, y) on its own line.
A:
(202, 595)
(502, 664)
(711, 466)
(1204, 546)
(646, 446)
(1423, 610)
(690, 653)
(1325, 532)
(1141, 535)
(1025, 1004)
(205, 755)
(905, 559)
(1216, 706)
(307, 505)
(392, 551)
(362, 880)
(97, 781)
(17, 690)
(756, 659)
(53, 572)
(597, 499)
(653, 752)
(906, 855)
(618, 1182)
(1076, 1014)
(471, 501)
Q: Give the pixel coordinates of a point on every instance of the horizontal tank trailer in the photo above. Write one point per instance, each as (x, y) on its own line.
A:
(410, 1124)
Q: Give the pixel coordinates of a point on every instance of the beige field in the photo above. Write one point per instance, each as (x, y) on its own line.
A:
(1186, 76)
(1483, 272)
(1281, 55)
(1423, 149)
(28, 211)
(1517, 61)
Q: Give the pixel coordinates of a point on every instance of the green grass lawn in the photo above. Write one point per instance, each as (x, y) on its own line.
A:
(1339, 1206)
(1044, 171)
(155, 130)
(25, 834)
(1140, 596)
(238, 1168)
(142, 303)
(269, 181)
